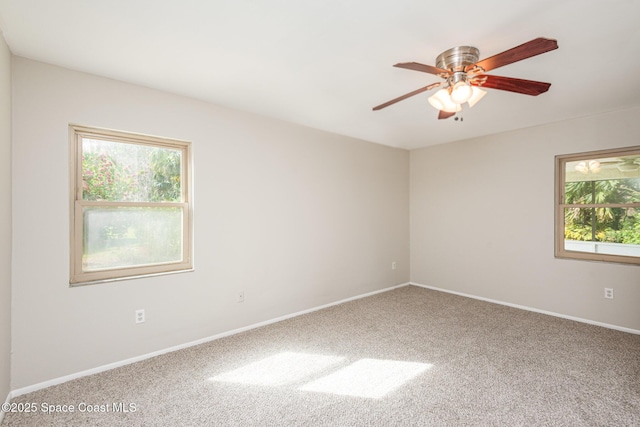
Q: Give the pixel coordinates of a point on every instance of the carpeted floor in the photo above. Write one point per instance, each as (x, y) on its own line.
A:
(407, 357)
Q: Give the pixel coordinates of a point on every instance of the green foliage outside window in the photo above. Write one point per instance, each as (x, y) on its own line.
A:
(165, 175)
(118, 172)
(104, 179)
(126, 172)
(606, 224)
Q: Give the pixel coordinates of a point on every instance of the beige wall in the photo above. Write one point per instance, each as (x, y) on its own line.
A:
(482, 221)
(294, 217)
(5, 219)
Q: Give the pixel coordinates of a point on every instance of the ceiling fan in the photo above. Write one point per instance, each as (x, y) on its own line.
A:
(628, 164)
(623, 164)
(464, 74)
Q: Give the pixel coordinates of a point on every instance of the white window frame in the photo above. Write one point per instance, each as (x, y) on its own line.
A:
(77, 275)
(560, 177)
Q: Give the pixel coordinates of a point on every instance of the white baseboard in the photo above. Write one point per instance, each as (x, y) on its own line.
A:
(522, 307)
(6, 401)
(60, 380)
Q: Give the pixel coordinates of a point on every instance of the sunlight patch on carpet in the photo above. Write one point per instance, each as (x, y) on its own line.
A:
(369, 378)
(279, 369)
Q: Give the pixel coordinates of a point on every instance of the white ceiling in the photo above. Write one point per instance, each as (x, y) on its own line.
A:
(326, 63)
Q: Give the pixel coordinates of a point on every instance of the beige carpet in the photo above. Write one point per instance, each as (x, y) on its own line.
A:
(408, 357)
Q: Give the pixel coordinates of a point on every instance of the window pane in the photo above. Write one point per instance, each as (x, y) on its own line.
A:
(126, 237)
(614, 231)
(115, 171)
(610, 191)
(603, 180)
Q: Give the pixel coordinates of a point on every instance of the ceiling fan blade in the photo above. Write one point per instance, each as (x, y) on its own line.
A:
(518, 53)
(526, 87)
(406, 95)
(444, 115)
(421, 67)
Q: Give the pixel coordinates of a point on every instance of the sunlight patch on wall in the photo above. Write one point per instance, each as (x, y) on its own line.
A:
(368, 378)
(280, 369)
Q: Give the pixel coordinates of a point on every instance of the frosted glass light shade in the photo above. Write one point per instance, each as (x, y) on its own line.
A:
(439, 99)
(460, 93)
(442, 101)
(590, 166)
(582, 167)
(476, 95)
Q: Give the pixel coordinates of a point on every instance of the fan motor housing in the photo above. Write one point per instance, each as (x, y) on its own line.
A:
(458, 58)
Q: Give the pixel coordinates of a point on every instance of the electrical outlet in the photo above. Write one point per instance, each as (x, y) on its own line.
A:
(608, 293)
(394, 265)
(240, 297)
(140, 316)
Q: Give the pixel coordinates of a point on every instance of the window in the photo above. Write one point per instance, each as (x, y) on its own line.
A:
(130, 205)
(598, 205)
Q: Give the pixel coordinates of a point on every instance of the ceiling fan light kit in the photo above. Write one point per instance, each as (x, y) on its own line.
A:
(586, 167)
(460, 92)
(442, 101)
(626, 164)
(463, 75)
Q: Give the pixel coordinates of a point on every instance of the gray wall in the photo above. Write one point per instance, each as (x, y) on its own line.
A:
(294, 217)
(482, 221)
(5, 219)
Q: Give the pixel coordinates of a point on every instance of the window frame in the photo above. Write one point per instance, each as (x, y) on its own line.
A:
(77, 276)
(560, 206)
